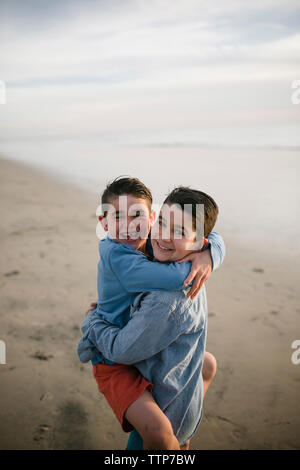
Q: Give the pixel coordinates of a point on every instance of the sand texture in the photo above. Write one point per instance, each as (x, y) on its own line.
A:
(49, 400)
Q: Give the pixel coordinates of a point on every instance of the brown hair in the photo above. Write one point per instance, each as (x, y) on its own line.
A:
(187, 196)
(129, 186)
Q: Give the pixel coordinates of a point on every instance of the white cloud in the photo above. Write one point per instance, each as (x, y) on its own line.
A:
(134, 64)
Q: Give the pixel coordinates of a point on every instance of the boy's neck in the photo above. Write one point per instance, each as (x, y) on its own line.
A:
(143, 249)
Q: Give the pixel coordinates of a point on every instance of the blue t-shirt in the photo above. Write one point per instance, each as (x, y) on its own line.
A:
(123, 273)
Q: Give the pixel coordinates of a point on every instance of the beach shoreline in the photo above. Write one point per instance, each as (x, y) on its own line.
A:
(49, 400)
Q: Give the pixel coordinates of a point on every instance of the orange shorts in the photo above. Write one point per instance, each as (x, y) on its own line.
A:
(121, 385)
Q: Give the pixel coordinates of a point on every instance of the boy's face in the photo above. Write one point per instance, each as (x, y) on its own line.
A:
(128, 220)
(173, 235)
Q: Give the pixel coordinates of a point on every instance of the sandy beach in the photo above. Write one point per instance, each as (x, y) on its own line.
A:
(49, 400)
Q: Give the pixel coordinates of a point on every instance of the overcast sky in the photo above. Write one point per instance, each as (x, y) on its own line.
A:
(78, 67)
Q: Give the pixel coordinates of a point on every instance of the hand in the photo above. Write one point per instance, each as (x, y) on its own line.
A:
(92, 307)
(200, 270)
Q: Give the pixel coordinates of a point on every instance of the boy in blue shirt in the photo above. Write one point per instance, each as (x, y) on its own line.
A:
(123, 272)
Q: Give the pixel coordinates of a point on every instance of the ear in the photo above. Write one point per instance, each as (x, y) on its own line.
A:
(103, 221)
(152, 217)
(198, 244)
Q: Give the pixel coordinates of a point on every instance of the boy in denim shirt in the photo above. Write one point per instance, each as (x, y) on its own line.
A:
(125, 271)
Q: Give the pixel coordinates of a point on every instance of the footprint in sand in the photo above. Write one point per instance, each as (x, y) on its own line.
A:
(41, 431)
(222, 424)
(46, 396)
(258, 270)
(266, 321)
(12, 273)
(225, 374)
(71, 427)
(41, 356)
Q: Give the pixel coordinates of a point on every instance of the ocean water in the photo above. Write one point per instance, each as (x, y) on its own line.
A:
(257, 188)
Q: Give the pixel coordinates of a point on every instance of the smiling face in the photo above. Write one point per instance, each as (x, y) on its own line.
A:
(128, 220)
(173, 235)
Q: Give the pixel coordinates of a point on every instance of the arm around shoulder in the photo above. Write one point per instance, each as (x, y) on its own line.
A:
(217, 249)
(137, 273)
(152, 327)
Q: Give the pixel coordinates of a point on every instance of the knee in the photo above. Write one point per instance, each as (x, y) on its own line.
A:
(165, 440)
(160, 438)
(209, 369)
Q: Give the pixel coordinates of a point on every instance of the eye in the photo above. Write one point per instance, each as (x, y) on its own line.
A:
(160, 222)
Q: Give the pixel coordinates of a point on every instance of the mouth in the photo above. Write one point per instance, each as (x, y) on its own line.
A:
(163, 249)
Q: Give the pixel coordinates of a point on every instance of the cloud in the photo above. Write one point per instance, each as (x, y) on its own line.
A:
(135, 63)
(108, 41)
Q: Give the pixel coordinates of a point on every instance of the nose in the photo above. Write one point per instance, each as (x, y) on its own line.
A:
(165, 235)
(129, 228)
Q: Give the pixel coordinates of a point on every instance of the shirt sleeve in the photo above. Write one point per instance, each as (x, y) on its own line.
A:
(138, 274)
(217, 249)
(137, 341)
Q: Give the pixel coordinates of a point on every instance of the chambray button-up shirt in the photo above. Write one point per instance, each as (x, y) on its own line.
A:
(165, 340)
(123, 273)
(163, 334)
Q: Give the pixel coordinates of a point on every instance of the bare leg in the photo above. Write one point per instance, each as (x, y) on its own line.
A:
(209, 370)
(151, 423)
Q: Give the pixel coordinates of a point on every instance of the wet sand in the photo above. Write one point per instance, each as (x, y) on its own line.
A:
(49, 400)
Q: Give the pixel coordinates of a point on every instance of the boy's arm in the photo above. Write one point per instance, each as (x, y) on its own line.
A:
(204, 262)
(152, 328)
(138, 274)
(217, 249)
